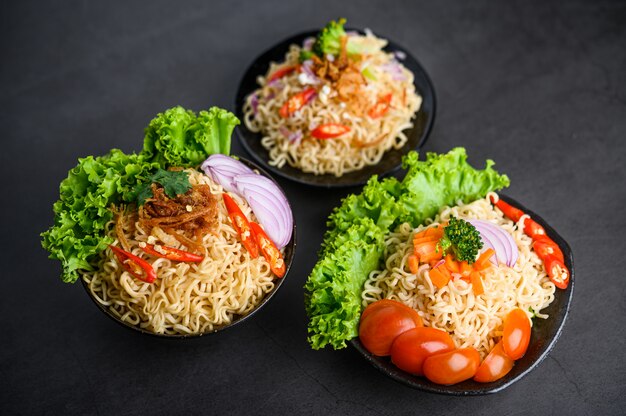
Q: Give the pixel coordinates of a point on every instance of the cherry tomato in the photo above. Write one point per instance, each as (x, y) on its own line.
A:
(452, 367)
(495, 366)
(545, 246)
(381, 327)
(516, 334)
(389, 302)
(411, 348)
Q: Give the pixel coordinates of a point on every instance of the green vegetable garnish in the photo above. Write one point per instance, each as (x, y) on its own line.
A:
(178, 138)
(329, 38)
(354, 244)
(174, 183)
(462, 238)
(175, 138)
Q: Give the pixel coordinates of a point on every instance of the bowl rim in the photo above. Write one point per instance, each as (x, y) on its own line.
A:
(291, 247)
(428, 94)
(421, 383)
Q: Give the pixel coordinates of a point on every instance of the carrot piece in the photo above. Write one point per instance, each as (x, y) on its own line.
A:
(440, 276)
(426, 239)
(434, 231)
(428, 252)
(466, 269)
(483, 260)
(477, 283)
(452, 265)
(413, 263)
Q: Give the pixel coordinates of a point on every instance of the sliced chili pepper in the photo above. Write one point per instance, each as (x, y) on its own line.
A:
(381, 107)
(545, 246)
(557, 272)
(132, 264)
(296, 102)
(172, 253)
(242, 225)
(509, 211)
(329, 131)
(533, 229)
(269, 250)
(282, 71)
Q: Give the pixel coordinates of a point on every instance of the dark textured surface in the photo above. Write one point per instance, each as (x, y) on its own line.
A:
(539, 88)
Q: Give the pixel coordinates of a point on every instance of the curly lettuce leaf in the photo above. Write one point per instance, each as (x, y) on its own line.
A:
(354, 243)
(177, 137)
(83, 208)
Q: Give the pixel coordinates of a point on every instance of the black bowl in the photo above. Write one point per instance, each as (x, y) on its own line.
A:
(290, 251)
(545, 333)
(391, 161)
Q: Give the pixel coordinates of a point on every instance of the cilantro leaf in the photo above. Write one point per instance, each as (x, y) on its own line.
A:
(174, 182)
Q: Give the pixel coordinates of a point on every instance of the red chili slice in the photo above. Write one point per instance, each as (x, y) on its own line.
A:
(242, 225)
(381, 107)
(132, 264)
(296, 102)
(269, 250)
(329, 131)
(172, 253)
(557, 272)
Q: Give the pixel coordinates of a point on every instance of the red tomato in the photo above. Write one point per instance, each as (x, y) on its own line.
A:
(495, 366)
(545, 246)
(516, 334)
(389, 302)
(452, 367)
(411, 348)
(381, 326)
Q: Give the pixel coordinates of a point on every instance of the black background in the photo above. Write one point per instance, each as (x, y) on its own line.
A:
(538, 87)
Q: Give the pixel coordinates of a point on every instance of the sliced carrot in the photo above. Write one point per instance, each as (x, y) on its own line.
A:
(483, 260)
(434, 231)
(477, 283)
(440, 276)
(427, 239)
(452, 265)
(428, 252)
(466, 269)
(413, 263)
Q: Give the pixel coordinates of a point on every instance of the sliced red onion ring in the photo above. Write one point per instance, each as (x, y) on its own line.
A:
(499, 240)
(307, 44)
(394, 69)
(269, 204)
(222, 169)
(254, 102)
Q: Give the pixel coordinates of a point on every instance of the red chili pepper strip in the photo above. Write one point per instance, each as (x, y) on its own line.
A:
(557, 272)
(296, 102)
(130, 262)
(545, 247)
(269, 250)
(533, 229)
(381, 107)
(509, 211)
(172, 253)
(242, 225)
(329, 131)
(281, 72)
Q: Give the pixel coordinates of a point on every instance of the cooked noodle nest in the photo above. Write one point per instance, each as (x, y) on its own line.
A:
(186, 298)
(368, 139)
(471, 321)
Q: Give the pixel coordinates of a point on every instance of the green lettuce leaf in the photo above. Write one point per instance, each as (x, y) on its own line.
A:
(83, 208)
(354, 243)
(177, 137)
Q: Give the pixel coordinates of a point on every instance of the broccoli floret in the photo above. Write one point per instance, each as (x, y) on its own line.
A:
(462, 238)
(329, 39)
